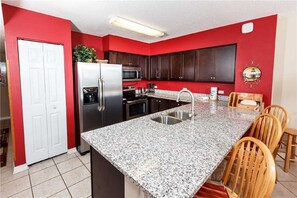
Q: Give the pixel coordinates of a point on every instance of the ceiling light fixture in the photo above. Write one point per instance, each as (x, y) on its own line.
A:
(130, 25)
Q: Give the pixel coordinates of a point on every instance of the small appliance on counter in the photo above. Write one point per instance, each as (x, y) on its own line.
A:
(213, 93)
(151, 87)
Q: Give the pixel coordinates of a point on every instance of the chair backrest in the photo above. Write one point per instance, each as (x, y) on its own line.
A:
(233, 99)
(280, 113)
(267, 128)
(250, 101)
(251, 169)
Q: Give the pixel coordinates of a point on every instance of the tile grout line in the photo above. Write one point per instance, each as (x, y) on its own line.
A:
(62, 179)
(288, 188)
(31, 186)
(85, 164)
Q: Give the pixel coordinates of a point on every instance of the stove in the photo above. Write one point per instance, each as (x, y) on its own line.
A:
(135, 105)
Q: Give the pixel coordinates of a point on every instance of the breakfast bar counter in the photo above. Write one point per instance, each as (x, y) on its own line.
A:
(165, 160)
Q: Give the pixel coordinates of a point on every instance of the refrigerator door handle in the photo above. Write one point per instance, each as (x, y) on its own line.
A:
(99, 95)
(102, 95)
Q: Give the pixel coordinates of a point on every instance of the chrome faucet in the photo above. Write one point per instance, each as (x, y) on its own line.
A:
(192, 100)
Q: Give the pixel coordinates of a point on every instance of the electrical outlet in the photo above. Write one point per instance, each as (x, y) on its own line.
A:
(220, 92)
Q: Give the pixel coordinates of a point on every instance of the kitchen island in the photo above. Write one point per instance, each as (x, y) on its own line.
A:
(165, 160)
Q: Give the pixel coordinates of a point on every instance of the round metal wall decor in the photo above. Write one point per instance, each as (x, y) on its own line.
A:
(251, 74)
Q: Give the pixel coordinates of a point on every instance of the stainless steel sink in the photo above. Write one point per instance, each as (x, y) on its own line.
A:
(182, 115)
(166, 120)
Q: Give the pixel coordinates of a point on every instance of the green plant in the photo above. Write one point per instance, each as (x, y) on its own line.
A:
(81, 53)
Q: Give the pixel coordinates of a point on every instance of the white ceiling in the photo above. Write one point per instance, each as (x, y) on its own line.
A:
(175, 18)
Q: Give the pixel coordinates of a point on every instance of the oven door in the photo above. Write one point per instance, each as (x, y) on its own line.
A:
(136, 108)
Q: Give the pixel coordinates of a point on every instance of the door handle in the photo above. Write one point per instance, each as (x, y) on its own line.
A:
(99, 95)
(102, 95)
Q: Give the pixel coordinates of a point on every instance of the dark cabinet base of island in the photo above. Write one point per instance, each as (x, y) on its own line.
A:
(107, 181)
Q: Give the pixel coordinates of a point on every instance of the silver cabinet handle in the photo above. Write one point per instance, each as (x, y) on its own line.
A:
(99, 94)
(102, 95)
(214, 77)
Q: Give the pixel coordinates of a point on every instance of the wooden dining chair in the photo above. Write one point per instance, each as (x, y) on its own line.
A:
(233, 99)
(250, 173)
(250, 101)
(280, 113)
(267, 128)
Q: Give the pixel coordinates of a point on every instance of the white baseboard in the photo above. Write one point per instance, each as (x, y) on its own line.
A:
(72, 150)
(20, 168)
(4, 118)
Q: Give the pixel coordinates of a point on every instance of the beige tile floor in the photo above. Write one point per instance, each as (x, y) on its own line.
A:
(68, 175)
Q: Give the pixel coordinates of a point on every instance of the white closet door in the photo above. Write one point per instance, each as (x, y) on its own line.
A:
(55, 98)
(34, 100)
(43, 97)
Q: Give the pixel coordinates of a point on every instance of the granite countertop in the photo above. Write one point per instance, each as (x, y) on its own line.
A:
(172, 160)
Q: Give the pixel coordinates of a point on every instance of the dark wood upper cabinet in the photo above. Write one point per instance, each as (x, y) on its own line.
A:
(164, 66)
(159, 67)
(144, 64)
(154, 68)
(127, 59)
(123, 58)
(182, 66)
(134, 59)
(216, 64)
(111, 57)
(225, 63)
(189, 62)
(176, 64)
(206, 66)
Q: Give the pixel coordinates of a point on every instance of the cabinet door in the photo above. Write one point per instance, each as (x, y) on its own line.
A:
(175, 66)
(154, 105)
(154, 67)
(143, 63)
(164, 66)
(111, 57)
(189, 60)
(164, 104)
(123, 58)
(173, 103)
(134, 59)
(206, 66)
(224, 63)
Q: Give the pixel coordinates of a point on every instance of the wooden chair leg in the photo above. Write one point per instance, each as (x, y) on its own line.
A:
(288, 153)
(293, 155)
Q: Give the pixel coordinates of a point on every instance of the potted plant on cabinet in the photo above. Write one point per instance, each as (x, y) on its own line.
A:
(81, 53)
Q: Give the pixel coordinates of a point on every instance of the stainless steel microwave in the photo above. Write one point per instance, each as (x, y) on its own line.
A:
(131, 73)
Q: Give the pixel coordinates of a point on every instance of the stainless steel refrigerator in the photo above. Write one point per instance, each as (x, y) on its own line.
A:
(99, 98)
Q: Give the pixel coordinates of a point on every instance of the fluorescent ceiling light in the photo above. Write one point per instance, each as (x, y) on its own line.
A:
(130, 25)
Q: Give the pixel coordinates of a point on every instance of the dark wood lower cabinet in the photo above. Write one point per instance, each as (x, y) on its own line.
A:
(107, 181)
(153, 105)
(158, 104)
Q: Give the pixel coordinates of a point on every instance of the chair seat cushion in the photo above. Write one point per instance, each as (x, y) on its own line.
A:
(209, 190)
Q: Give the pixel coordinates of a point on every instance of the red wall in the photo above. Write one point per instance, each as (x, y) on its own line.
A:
(193, 86)
(257, 46)
(89, 41)
(25, 24)
(120, 44)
